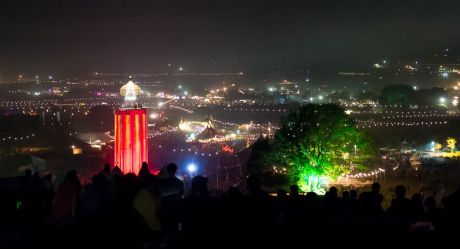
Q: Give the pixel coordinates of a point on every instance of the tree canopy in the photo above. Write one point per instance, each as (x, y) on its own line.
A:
(318, 141)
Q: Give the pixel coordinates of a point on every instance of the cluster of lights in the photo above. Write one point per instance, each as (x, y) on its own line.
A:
(255, 110)
(181, 108)
(9, 139)
(371, 124)
(225, 123)
(209, 74)
(6, 103)
(162, 133)
(113, 83)
(190, 151)
(279, 170)
(434, 115)
(252, 125)
(229, 138)
(401, 106)
(364, 175)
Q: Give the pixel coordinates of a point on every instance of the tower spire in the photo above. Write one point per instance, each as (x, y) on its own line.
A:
(130, 91)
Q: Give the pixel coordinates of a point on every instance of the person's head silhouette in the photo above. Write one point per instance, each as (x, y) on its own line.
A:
(353, 194)
(171, 169)
(200, 185)
(107, 168)
(145, 166)
(294, 190)
(400, 191)
(333, 192)
(375, 187)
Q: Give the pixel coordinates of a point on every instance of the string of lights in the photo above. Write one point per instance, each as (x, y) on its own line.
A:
(372, 124)
(17, 138)
(364, 175)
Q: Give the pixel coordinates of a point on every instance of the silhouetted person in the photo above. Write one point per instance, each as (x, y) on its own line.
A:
(26, 191)
(312, 200)
(294, 191)
(258, 211)
(147, 203)
(48, 194)
(233, 216)
(331, 199)
(372, 201)
(144, 173)
(67, 196)
(353, 204)
(107, 172)
(26, 179)
(431, 213)
(127, 186)
(400, 205)
(345, 202)
(417, 209)
(116, 171)
(97, 198)
(33, 201)
(172, 192)
(171, 186)
(255, 187)
(199, 217)
(353, 195)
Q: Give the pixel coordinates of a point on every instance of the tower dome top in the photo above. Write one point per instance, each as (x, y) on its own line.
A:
(130, 91)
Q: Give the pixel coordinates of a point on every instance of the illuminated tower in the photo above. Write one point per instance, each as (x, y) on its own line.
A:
(130, 148)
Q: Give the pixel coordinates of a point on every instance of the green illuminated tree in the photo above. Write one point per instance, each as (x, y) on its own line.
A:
(451, 143)
(318, 140)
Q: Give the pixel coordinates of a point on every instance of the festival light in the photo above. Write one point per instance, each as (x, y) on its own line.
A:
(314, 183)
(130, 139)
(191, 168)
(154, 115)
(131, 131)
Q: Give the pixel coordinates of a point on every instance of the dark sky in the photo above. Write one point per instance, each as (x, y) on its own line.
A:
(84, 36)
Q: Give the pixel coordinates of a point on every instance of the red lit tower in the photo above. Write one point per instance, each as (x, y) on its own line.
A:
(130, 147)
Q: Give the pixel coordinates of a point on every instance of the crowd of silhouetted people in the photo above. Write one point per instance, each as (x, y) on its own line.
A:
(118, 210)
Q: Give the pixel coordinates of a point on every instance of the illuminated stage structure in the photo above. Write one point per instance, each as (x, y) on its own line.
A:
(131, 131)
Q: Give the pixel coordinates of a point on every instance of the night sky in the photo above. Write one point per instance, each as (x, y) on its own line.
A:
(84, 36)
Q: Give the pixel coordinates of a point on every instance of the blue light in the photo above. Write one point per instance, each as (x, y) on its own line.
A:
(191, 168)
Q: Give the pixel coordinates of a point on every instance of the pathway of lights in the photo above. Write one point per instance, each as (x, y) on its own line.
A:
(162, 133)
(434, 115)
(371, 124)
(230, 137)
(251, 125)
(255, 110)
(364, 175)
